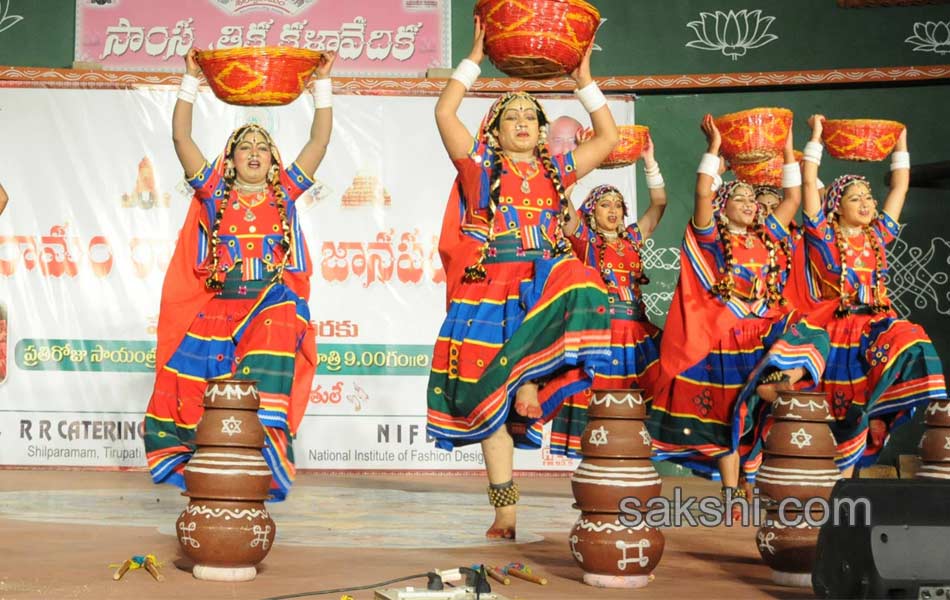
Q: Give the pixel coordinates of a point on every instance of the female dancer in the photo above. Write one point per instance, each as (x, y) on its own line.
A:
(522, 311)
(879, 368)
(604, 241)
(234, 302)
(727, 310)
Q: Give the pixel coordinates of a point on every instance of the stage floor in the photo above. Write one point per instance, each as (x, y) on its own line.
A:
(61, 530)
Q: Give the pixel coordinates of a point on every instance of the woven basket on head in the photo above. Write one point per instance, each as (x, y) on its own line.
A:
(266, 76)
(537, 39)
(754, 135)
(860, 139)
(633, 138)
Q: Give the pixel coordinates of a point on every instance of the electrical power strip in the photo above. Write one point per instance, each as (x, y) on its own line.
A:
(459, 593)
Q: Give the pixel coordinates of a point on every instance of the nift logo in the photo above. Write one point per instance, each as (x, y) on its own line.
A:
(284, 7)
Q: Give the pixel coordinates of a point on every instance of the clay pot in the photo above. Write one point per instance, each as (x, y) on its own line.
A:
(232, 393)
(229, 427)
(788, 550)
(225, 528)
(227, 473)
(801, 406)
(616, 438)
(938, 414)
(600, 484)
(935, 445)
(230, 415)
(616, 466)
(225, 539)
(617, 404)
(612, 554)
(939, 471)
(800, 438)
(782, 477)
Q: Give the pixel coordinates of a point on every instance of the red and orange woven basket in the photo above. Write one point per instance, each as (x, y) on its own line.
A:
(754, 135)
(537, 39)
(633, 138)
(266, 76)
(767, 172)
(860, 139)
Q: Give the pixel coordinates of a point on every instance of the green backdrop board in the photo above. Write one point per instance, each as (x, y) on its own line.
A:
(37, 33)
(648, 37)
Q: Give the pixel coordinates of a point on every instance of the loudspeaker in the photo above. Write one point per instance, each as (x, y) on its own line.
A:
(885, 538)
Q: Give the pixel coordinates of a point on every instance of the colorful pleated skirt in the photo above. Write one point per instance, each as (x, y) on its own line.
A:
(707, 412)
(533, 318)
(878, 367)
(634, 362)
(251, 330)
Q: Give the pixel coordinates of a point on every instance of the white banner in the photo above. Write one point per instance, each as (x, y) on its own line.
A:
(96, 200)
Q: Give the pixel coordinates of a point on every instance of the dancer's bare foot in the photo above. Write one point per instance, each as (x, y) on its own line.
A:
(526, 401)
(503, 528)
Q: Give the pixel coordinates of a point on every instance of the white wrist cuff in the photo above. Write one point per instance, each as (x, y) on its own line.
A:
(323, 93)
(709, 165)
(900, 160)
(717, 182)
(791, 175)
(188, 90)
(812, 152)
(591, 97)
(466, 73)
(654, 177)
(819, 183)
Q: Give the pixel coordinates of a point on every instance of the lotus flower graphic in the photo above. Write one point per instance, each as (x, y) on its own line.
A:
(931, 37)
(733, 33)
(7, 21)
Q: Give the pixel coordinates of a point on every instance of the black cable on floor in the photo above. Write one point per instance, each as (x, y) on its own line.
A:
(348, 589)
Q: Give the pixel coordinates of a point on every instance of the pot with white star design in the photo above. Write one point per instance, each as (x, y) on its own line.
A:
(615, 427)
(797, 438)
(615, 480)
(225, 528)
(230, 415)
(798, 465)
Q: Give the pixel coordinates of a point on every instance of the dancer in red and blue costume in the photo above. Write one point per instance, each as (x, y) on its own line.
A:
(235, 297)
(727, 311)
(604, 241)
(880, 368)
(523, 312)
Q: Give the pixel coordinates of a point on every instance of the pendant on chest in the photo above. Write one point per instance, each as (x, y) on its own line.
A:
(249, 215)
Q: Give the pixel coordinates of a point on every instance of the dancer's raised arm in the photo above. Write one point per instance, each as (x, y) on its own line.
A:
(455, 137)
(591, 153)
(312, 153)
(189, 155)
(648, 221)
(708, 167)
